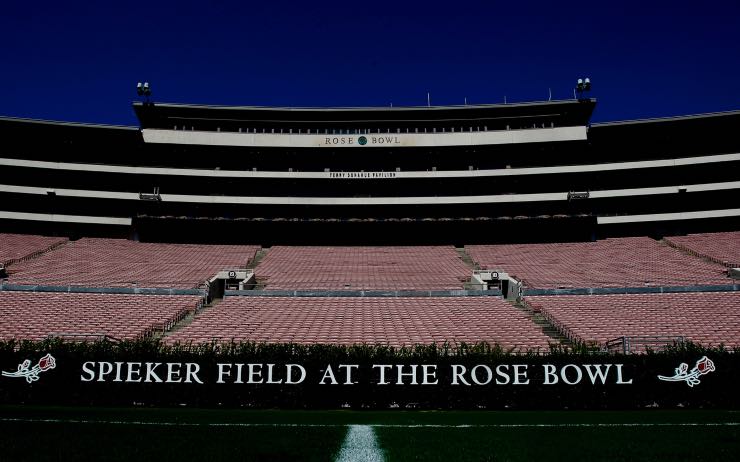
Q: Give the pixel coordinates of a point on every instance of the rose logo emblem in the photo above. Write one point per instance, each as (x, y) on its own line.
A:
(31, 374)
(682, 374)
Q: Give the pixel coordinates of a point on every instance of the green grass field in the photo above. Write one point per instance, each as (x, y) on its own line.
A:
(36, 433)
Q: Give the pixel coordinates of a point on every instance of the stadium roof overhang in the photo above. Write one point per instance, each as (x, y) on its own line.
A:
(561, 113)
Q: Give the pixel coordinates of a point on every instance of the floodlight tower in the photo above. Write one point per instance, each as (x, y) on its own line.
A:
(582, 85)
(144, 90)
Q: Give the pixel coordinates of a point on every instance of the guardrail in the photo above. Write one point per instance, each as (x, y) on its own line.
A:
(627, 345)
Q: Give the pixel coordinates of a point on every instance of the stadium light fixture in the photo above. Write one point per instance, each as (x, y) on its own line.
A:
(143, 89)
(582, 85)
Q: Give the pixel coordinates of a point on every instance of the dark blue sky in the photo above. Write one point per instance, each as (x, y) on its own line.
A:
(80, 61)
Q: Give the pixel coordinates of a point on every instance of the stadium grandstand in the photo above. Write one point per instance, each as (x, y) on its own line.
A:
(522, 225)
(124, 263)
(363, 268)
(18, 247)
(90, 316)
(393, 321)
(617, 262)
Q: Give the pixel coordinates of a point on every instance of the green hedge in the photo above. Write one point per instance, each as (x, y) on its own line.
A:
(62, 385)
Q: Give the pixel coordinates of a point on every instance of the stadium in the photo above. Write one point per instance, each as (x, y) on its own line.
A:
(474, 258)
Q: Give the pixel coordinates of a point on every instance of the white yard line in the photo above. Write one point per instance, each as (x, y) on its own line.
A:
(371, 426)
(360, 444)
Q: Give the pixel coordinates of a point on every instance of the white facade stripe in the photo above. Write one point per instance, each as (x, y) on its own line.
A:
(724, 213)
(407, 200)
(82, 167)
(65, 218)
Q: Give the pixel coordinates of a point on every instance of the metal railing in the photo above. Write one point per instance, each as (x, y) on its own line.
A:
(84, 337)
(628, 345)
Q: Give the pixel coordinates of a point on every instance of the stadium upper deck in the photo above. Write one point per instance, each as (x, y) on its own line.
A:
(418, 174)
(365, 127)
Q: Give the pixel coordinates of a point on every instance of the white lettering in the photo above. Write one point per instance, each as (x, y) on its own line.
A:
(191, 371)
(564, 375)
(427, 374)
(503, 374)
(224, 369)
(619, 376)
(382, 368)
(254, 373)
(173, 373)
(348, 373)
(551, 378)
(150, 375)
(289, 374)
(402, 374)
(474, 375)
(87, 368)
(328, 374)
(269, 375)
(457, 374)
(134, 372)
(597, 372)
(104, 368)
(518, 375)
(119, 366)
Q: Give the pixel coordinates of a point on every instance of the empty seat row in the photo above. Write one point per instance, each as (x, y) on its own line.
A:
(354, 320)
(124, 263)
(14, 247)
(619, 262)
(35, 316)
(622, 262)
(705, 318)
(723, 248)
(363, 268)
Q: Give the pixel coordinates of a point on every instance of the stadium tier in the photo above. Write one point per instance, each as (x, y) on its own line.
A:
(724, 248)
(349, 320)
(36, 316)
(703, 318)
(617, 262)
(91, 262)
(363, 268)
(15, 247)
(474, 173)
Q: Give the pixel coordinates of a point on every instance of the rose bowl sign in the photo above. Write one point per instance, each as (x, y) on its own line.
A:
(574, 381)
(345, 374)
(364, 140)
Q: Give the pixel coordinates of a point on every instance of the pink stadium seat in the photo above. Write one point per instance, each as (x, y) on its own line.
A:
(349, 320)
(35, 316)
(123, 263)
(705, 318)
(363, 268)
(724, 248)
(14, 247)
(621, 262)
